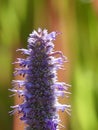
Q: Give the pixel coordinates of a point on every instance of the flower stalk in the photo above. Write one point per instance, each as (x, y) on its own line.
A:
(40, 87)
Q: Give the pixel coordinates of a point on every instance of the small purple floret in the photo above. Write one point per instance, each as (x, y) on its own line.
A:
(40, 87)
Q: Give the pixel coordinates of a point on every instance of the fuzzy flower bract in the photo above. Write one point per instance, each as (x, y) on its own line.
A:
(40, 87)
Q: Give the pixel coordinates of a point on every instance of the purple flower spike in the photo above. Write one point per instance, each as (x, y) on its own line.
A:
(40, 87)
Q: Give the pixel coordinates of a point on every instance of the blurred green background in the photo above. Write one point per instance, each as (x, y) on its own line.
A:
(78, 22)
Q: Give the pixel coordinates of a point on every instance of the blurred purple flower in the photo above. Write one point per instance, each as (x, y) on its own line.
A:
(40, 88)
